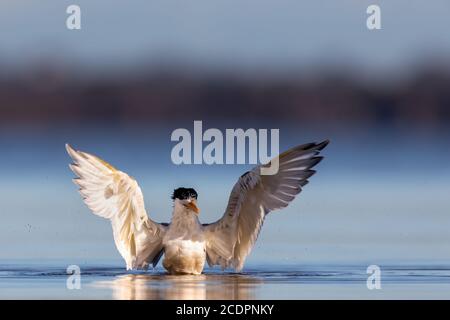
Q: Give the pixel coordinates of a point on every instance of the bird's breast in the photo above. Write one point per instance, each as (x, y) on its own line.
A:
(182, 246)
(183, 256)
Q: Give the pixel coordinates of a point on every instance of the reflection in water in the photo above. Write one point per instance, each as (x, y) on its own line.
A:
(187, 287)
(19, 281)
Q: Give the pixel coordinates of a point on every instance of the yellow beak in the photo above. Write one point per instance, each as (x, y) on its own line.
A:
(193, 206)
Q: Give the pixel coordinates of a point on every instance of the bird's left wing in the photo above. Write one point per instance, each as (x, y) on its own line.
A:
(114, 195)
(230, 239)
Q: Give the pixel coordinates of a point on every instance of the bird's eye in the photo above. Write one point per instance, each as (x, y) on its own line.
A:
(193, 195)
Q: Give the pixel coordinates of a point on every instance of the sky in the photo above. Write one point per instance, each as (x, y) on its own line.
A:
(263, 35)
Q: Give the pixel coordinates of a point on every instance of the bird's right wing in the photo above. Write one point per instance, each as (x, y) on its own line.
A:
(114, 195)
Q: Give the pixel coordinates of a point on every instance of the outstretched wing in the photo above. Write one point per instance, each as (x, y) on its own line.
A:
(230, 239)
(114, 195)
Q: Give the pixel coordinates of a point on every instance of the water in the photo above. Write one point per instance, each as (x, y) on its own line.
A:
(39, 281)
(359, 209)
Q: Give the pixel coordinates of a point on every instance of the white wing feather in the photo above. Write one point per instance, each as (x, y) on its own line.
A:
(230, 239)
(114, 195)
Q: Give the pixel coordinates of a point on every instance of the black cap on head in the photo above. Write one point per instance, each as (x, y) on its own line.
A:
(184, 193)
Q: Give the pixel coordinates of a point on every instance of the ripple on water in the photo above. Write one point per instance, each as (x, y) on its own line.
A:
(264, 282)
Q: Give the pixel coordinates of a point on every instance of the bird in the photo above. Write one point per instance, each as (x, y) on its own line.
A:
(185, 242)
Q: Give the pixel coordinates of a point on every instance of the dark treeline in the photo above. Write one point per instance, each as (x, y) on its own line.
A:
(47, 98)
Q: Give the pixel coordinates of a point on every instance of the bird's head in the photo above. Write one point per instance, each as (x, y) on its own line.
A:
(186, 197)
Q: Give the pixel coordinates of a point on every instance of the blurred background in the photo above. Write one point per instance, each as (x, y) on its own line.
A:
(137, 70)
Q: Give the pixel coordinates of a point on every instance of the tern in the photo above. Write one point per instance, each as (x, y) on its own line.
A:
(185, 242)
